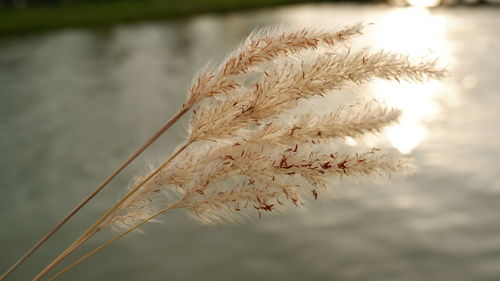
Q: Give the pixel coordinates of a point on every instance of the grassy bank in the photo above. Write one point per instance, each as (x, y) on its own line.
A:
(103, 13)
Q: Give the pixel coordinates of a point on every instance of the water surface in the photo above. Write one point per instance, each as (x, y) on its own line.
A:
(75, 103)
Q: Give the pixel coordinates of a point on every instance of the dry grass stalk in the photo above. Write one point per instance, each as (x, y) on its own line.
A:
(248, 153)
(262, 46)
(289, 81)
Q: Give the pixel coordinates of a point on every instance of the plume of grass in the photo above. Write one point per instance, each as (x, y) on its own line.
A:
(299, 78)
(247, 152)
(260, 47)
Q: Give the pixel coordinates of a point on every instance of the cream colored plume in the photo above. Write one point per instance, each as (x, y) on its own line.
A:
(249, 151)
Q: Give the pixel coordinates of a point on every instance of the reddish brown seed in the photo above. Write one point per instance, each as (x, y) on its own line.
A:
(283, 163)
(315, 194)
(266, 207)
(293, 130)
(342, 165)
(326, 165)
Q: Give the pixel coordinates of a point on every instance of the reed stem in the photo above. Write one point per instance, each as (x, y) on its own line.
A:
(95, 227)
(89, 197)
(104, 245)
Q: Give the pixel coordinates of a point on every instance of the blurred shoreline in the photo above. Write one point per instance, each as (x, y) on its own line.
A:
(14, 21)
(33, 19)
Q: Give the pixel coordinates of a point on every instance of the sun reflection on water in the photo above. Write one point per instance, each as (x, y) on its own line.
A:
(417, 32)
(424, 3)
(419, 105)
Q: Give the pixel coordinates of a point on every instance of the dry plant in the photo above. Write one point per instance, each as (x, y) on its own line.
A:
(249, 150)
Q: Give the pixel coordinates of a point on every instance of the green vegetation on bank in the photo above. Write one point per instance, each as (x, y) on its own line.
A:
(15, 21)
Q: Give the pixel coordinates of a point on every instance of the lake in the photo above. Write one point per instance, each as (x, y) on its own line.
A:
(75, 103)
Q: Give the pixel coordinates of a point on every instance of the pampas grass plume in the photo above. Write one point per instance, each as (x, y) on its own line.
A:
(248, 152)
(251, 150)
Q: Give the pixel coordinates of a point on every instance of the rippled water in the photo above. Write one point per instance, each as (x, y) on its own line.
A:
(75, 103)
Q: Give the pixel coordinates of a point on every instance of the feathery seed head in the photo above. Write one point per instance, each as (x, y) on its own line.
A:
(247, 153)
